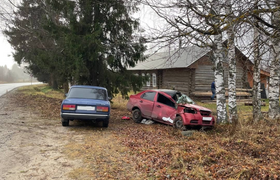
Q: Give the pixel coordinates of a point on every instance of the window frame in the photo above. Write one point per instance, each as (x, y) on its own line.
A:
(148, 83)
(154, 80)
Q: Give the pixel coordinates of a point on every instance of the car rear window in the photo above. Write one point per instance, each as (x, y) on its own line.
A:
(87, 93)
(149, 96)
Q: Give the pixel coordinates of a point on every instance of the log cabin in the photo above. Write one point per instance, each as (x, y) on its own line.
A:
(191, 71)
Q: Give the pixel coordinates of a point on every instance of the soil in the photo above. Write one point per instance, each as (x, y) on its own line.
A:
(31, 147)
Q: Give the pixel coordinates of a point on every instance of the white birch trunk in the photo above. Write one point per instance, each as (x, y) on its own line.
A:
(274, 87)
(219, 80)
(273, 96)
(256, 79)
(219, 69)
(232, 68)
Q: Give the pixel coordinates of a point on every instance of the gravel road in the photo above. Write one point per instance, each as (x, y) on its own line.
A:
(31, 147)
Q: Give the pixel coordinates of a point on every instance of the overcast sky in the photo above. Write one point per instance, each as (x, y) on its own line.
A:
(6, 57)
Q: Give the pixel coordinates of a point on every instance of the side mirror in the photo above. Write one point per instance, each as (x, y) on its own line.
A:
(66, 94)
(109, 98)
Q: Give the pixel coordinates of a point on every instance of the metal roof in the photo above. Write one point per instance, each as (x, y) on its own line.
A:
(174, 59)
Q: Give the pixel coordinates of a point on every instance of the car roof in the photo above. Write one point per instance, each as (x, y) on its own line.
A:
(87, 86)
(170, 92)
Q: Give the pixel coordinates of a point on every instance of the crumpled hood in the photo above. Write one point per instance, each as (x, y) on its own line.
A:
(196, 107)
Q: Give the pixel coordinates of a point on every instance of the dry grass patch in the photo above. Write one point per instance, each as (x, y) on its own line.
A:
(127, 150)
(42, 90)
(41, 99)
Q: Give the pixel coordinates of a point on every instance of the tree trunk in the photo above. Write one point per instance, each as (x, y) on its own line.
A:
(274, 86)
(256, 73)
(66, 87)
(219, 80)
(256, 78)
(273, 97)
(219, 69)
(233, 118)
(53, 82)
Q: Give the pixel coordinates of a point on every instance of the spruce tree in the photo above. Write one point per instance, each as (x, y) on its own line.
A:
(86, 42)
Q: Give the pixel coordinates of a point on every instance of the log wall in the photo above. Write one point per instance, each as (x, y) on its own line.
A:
(181, 79)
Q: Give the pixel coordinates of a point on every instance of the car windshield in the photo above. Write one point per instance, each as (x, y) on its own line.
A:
(183, 99)
(87, 93)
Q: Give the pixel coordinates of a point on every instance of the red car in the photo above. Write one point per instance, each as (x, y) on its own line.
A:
(169, 107)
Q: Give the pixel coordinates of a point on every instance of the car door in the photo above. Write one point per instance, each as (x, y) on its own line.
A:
(147, 103)
(164, 109)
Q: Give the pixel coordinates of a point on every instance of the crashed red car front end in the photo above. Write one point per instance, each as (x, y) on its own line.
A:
(193, 115)
(166, 106)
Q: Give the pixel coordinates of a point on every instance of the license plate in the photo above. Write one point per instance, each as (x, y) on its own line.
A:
(86, 108)
(206, 118)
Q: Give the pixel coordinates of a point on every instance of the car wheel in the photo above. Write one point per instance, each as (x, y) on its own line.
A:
(178, 123)
(136, 115)
(65, 122)
(105, 123)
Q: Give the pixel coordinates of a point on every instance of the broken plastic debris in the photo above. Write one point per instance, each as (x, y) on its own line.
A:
(167, 119)
(145, 121)
(125, 118)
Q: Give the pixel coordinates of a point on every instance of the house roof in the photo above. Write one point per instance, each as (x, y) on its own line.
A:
(174, 59)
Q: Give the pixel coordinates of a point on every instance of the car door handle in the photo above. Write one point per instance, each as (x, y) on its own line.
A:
(159, 106)
(141, 101)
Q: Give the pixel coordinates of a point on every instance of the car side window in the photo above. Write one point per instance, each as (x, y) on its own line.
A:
(164, 100)
(149, 96)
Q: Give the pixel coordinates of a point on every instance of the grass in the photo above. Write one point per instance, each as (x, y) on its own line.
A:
(127, 150)
(241, 108)
(42, 90)
(119, 102)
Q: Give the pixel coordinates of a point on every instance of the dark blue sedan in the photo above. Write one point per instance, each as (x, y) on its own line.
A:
(86, 103)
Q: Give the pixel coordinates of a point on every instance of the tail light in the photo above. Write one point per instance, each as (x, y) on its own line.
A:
(69, 107)
(102, 108)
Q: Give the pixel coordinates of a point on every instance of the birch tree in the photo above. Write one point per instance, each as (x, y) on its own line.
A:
(197, 23)
(204, 23)
(256, 76)
(268, 27)
(274, 69)
(219, 69)
(232, 65)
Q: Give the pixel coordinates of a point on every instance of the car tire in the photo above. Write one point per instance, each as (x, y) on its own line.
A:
(105, 123)
(65, 122)
(179, 124)
(136, 115)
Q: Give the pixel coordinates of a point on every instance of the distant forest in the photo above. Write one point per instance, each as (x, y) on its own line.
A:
(16, 74)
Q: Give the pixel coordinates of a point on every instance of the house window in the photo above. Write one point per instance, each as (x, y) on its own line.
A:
(154, 80)
(149, 79)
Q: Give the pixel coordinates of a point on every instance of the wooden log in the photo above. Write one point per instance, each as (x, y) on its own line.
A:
(204, 94)
(250, 103)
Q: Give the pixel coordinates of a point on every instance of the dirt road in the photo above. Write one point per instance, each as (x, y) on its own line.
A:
(35, 146)
(31, 147)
